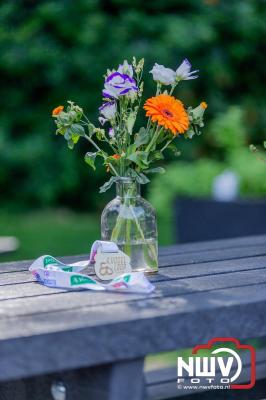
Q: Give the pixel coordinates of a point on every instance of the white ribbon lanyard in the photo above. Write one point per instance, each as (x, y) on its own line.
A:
(108, 261)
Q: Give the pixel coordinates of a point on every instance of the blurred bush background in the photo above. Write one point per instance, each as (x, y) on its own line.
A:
(52, 51)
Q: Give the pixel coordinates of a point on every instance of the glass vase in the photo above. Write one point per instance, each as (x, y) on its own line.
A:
(130, 222)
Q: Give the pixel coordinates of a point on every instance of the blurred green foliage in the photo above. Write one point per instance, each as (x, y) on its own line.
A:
(54, 50)
(227, 132)
(58, 233)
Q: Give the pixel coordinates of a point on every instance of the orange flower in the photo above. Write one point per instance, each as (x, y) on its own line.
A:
(116, 156)
(57, 110)
(203, 105)
(168, 112)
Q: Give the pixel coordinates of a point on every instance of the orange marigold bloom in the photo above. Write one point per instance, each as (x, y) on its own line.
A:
(57, 110)
(168, 112)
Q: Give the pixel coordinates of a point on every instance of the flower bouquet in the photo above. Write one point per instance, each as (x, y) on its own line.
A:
(130, 156)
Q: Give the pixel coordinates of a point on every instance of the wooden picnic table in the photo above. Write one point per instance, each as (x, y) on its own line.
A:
(96, 342)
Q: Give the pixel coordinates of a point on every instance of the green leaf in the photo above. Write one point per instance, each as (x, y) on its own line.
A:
(91, 128)
(70, 135)
(156, 155)
(61, 130)
(142, 179)
(139, 176)
(108, 184)
(67, 134)
(190, 133)
(142, 137)
(90, 159)
(75, 138)
(140, 158)
(158, 170)
(130, 149)
(131, 121)
(77, 129)
(70, 144)
(173, 148)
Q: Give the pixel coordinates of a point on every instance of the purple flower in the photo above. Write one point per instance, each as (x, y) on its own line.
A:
(118, 84)
(183, 72)
(108, 110)
(111, 132)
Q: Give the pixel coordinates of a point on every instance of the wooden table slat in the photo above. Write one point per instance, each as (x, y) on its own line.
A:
(60, 300)
(167, 273)
(192, 247)
(184, 253)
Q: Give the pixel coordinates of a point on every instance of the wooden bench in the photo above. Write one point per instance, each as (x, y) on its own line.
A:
(96, 342)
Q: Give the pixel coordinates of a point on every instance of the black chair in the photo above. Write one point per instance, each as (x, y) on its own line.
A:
(207, 219)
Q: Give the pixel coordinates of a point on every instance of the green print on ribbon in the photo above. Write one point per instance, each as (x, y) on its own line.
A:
(127, 278)
(67, 269)
(50, 260)
(80, 280)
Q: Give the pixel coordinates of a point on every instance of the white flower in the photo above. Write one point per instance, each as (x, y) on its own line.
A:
(126, 68)
(163, 75)
(183, 72)
(108, 110)
(102, 120)
(118, 84)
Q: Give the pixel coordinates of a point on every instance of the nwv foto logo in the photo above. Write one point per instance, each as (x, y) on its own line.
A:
(220, 367)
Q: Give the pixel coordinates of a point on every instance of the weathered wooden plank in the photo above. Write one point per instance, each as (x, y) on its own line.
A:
(210, 268)
(11, 278)
(167, 273)
(22, 300)
(213, 245)
(181, 249)
(212, 255)
(17, 266)
(37, 344)
(27, 289)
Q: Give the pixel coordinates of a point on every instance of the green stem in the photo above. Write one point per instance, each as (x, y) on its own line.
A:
(120, 218)
(141, 232)
(102, 153)
(154, 139)
(158, 89)
(148, 124)
(166, 145)
(127, 247)
(173, 88)
(119, 224)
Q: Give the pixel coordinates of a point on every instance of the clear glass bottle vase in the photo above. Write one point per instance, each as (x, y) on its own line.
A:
(130, 221)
